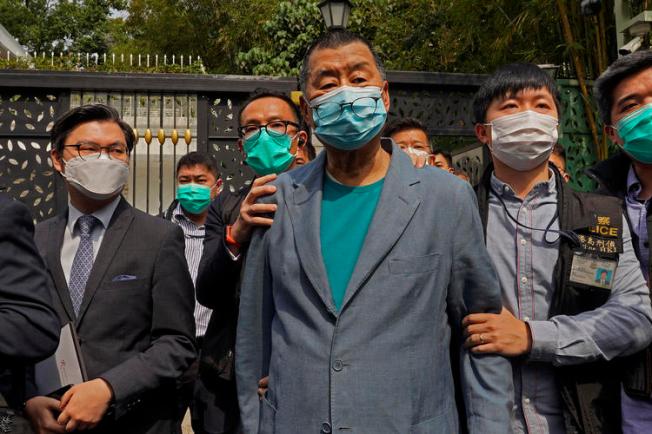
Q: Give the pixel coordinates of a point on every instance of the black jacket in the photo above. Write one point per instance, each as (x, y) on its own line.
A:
(29, 325)
(217, 287)
(590, 392)
(135, 326)
(611, 176)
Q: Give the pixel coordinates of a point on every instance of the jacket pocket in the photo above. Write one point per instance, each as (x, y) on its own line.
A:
(124, 285)
(267, 420)
(414, 264)
(445, 423)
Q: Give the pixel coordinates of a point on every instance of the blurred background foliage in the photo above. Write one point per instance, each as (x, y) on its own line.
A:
(270, 36)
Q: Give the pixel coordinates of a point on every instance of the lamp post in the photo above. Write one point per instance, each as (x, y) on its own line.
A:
(335, 13)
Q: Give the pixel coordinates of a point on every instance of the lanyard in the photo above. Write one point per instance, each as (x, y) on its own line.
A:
(569, 235)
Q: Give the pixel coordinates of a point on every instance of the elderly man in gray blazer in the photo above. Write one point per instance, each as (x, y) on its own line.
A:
(352, 301)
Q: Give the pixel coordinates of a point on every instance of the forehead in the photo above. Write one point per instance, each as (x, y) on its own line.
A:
(410, 133)
(267, 108)
(639, 83)
(195, 170)
(345, 57)
(525, 94)
(96, 132)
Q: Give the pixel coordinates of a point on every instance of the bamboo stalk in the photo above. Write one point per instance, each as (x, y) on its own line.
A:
(600, 151)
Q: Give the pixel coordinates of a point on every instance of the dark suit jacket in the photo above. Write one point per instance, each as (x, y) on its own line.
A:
(216, 264)
(29, 326)
(217, 286)
(137, 334)
(218, 278)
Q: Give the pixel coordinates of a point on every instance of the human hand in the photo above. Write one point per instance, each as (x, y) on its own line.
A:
(263, 384)
(501, 333)
(84, 405)
(250, 211)
(419, 158)
(41, 411)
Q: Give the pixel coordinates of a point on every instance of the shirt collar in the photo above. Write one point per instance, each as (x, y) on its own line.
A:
(103, 215)
(633, 184)
(543, 188)
(178, 215)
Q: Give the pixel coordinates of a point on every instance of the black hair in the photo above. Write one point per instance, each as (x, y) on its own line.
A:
(447, 156)
(559, 150)
(198, 158)
(266, 93)
(335, 39)
(403, 124)
(509, 80)
(621, 69)
(88, 113)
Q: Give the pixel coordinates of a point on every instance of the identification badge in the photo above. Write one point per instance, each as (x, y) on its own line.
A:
(591, 270)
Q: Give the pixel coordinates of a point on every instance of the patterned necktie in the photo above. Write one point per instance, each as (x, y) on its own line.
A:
(83, 262)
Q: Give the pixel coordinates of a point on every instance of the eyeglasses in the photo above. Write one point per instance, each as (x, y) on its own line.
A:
(92, 151)
(363, 107)
(274, 128)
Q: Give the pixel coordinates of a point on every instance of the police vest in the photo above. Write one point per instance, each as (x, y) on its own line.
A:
(591, 391)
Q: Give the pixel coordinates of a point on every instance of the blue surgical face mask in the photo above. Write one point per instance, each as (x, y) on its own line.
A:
(635, 130)
(348, 118)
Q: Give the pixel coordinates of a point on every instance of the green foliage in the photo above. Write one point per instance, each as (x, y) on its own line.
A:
(289, 32)
(428, 35)
(216, 30)
(43, 25)
(270, 36)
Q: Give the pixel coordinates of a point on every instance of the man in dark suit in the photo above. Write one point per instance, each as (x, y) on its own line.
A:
(274, 139)
(29, 326)
(121, 277)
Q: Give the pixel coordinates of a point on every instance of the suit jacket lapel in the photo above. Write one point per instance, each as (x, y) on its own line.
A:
(396, 207)
(111, 241)
(305, 212)
(53, 257)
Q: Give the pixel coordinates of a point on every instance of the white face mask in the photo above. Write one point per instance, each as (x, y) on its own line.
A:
(523, 140)
(99, 179)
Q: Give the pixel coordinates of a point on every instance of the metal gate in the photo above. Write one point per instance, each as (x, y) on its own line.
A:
(176, 113)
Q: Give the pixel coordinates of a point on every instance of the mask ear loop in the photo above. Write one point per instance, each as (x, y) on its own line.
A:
(568, 235)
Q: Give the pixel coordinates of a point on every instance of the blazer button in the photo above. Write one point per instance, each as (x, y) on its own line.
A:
(338, 365)
(326, 428)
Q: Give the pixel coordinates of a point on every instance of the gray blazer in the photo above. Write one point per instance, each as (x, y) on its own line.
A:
(383, 363)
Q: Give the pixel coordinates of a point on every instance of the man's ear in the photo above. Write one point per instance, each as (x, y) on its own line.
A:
(302, 138)
(57, 162)
(483, 133)
(240, 147)
(217, 188)
(306, 112)
(385, 96)
(612, 133)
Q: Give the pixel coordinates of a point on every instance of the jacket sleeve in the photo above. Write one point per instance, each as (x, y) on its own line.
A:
(485, 380)
(219, 273)
(30, 327)
(254, 330)
(172, 348)
(620, 327)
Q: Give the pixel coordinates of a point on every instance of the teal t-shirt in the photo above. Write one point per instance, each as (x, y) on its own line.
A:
(346, 213)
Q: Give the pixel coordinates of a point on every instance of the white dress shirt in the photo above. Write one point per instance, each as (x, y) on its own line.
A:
(71, 236)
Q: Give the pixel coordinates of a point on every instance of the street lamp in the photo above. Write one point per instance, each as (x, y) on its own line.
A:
(336, 13)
